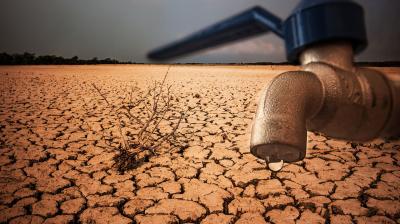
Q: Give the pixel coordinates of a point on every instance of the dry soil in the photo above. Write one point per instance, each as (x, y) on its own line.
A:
(56, 168)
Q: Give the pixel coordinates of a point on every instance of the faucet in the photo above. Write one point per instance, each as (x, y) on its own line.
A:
(328, 94)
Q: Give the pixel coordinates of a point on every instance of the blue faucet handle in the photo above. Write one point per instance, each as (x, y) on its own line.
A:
(249, 23)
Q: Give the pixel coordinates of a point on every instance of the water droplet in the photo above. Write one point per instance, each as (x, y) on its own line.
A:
(275, 166)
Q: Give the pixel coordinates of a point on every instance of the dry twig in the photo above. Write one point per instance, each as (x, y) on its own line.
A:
(149, 114)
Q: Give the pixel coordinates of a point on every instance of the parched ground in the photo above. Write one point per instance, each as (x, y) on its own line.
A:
(56, 167)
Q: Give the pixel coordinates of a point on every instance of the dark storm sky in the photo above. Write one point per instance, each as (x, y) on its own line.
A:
(128, 29)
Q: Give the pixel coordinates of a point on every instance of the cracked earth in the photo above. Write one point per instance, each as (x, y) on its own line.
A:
(56, 167)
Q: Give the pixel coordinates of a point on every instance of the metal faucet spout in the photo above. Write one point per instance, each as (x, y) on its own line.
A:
(279, 130)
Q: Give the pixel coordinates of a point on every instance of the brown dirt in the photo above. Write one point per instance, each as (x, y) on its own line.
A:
(56, 168)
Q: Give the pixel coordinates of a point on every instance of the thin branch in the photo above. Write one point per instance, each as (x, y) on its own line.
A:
(130, 115)
(154, 111)
(125, 142)
(161, 139)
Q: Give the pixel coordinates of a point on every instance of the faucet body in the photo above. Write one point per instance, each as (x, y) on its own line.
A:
(328, 95)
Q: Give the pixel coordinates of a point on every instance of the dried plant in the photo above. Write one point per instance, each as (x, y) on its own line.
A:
(148, 122)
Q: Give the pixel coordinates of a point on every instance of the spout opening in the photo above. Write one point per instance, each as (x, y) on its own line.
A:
(275, 152)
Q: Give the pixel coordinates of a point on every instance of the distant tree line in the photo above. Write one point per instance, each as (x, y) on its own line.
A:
(32, 59)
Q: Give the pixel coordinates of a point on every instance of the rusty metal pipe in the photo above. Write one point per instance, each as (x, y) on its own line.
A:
(328, 95)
